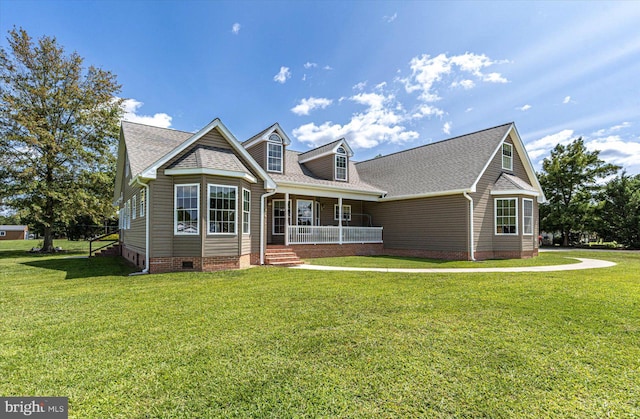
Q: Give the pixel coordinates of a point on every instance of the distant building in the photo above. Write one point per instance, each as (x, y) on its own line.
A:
(14, 232)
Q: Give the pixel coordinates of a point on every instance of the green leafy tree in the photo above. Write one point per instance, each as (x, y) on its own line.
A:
(58, 130)
(619, 212)
(569, 179)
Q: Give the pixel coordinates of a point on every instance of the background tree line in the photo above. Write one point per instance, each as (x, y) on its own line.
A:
(584, 197)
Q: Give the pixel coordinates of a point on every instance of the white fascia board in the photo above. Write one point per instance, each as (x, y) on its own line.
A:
(515, 192)
(265, 137)
(342, 143)
(428, 195)
(138, 179)
(151, 171)
(327, 191)
(213, 172)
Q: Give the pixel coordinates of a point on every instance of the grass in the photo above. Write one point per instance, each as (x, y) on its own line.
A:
(548, 258)
(274, 342)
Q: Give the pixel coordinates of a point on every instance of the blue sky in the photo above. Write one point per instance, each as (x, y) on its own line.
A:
(387, 76)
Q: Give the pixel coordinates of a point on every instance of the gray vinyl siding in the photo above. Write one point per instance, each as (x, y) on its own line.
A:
(134, 237)
(437, 224)
(485, 238)
(214, 139)
(322, 167)
(259, 154)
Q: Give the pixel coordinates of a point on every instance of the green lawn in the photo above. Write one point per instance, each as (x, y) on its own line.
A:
(275, 342)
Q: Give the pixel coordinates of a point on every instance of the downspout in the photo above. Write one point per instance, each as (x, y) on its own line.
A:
(146, 223)
(471, 249)
(263, 216)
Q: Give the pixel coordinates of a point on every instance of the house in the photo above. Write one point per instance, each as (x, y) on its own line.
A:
(14, 232)
(206, 201)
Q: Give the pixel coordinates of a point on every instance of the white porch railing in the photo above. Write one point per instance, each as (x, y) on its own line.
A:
(331, 235)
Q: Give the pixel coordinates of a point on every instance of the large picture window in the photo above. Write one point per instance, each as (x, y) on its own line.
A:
(222, 209)
(507, 156)
(527, 216)
(305, 212)
(246, 211)
(274, 153)
(187, 204)
(506, 216)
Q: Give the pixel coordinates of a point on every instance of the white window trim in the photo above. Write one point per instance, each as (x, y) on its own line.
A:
(317, 213)
(235, 218)
(3, 233)
(308, 201)
(248, 213)
(175, 210)
(346, 167)
(495, 216)
(273, 224)
(134, 206)
(503, 156)
(335, 207)
(271, 143)
(127, 215)
(524, 233)
(143, 202)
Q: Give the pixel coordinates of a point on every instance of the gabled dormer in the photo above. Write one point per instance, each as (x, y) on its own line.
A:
(268, 148)
(330, 161)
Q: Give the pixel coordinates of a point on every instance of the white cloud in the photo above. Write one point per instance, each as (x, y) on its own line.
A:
(360, 86)
(378, 123)
(566, 100)
(391, 18)
(427, 72)
(427, 110)
(524, 108)
(614, 149)
(468, 109)
(446, 128)
(131, 106)
(543, 146)
(327, 67)
(282, 75)
(310, 64)
(381, 86)
(235, 28)
(307, 105)
(610, 130)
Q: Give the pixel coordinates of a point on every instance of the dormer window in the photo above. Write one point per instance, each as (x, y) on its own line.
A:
(341, 164)
(274, 153)
(507, 156)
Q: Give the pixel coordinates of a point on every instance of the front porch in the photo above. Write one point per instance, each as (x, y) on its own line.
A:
(304, 234)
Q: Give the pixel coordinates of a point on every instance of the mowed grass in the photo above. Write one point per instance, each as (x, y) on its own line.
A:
(384, 261)
(275, 342)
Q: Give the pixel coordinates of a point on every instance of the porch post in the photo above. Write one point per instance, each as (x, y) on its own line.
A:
(286, 219)
(340, 219)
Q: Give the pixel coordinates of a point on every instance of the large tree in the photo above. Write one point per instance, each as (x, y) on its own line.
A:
(570, 180)
(619, 211)
(58, 130)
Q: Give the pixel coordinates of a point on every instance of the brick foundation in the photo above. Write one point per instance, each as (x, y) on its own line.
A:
(335, 250)
(133, 256)
(202, 264)
(428, 254)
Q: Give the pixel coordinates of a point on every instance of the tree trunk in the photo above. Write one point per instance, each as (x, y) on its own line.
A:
(565, 238)
(47, 247)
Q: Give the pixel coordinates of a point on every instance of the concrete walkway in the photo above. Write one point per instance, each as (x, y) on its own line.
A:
(584, 264)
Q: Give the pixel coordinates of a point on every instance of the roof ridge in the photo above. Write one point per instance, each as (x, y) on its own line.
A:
(323, 145)
(434, 143)
(155, 126)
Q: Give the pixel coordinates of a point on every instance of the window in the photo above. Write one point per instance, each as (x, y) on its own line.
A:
(127, 215)
(187, 204)
(279, 216)
(341, 164)
(246, 211)
(527, 216)
(143, 201)
(134, 207)
(3, 233)
(305, 212)
(346, 212)
(317, 213)
(222, 209)
(506, 216)
(507, 156)
(274, 153)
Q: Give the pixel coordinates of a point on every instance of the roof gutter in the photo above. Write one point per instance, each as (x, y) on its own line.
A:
(471, 249)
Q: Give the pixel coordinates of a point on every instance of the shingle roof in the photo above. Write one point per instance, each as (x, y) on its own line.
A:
(507, 182)
(453, 164)
(210, 158)
(260, 134)
(295, 172)
(318, 151)
(146, 144)
(13, 228)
